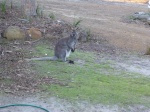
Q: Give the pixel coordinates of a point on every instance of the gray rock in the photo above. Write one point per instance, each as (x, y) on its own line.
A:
(141, 16)
(148, 20)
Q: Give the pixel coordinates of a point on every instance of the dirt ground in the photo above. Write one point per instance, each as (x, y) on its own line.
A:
(59, 105)
(108, 21)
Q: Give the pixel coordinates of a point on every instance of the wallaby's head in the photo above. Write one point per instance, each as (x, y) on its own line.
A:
(73, 40)
(74, 35)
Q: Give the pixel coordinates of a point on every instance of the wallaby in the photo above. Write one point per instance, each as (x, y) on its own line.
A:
(63, 48)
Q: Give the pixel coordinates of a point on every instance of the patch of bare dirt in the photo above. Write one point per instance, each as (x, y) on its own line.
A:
(137, 1)
(105, 19)
(54, 104)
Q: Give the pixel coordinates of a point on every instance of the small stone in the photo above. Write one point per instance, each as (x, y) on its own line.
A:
(8, 51)
(27, 42)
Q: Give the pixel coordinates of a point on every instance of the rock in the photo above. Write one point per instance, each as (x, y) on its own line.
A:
(13, 32)
(140, 13)
(141, 16)
(34, 33)
(148, 20)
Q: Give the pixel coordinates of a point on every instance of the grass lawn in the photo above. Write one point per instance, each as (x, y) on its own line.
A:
(91, 81)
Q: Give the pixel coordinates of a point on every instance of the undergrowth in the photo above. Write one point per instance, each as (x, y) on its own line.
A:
(3, 6)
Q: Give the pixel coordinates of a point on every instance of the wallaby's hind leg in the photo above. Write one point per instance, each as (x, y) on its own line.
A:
(63, 56)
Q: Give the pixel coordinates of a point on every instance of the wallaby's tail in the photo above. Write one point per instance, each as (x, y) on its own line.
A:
(43, 58)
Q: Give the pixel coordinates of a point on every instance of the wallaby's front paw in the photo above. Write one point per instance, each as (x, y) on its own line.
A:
(72, 50)
(70, 61)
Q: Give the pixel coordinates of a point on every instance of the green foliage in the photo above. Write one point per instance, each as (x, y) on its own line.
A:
(131, 17)
(52, 16)
(147, 52)
(76, 23)
(11, 4)
(6, 81)
(91, 81)
(39, 11)
(3, 6)
(88, 34)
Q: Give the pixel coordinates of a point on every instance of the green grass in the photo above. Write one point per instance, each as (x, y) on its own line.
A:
(52, 16)
(1, 69)
(92, 81)
(76, 23)
(3, 6)
(6, 81)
